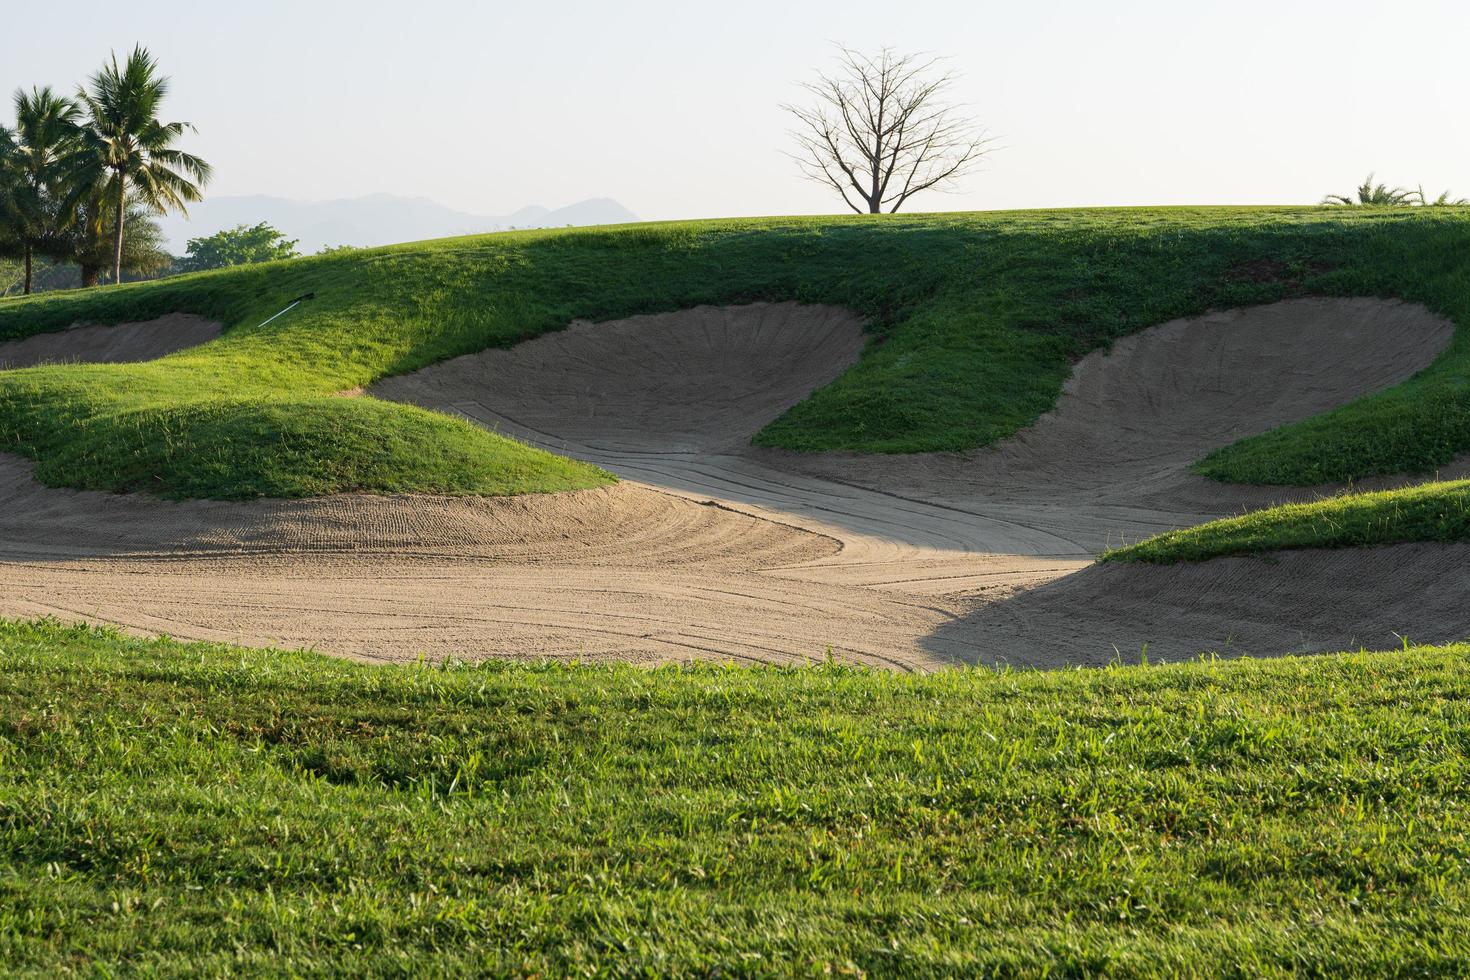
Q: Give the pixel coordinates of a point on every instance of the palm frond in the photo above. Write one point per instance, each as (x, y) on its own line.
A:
(127, 151)
(1369, 194)
(1443, 201)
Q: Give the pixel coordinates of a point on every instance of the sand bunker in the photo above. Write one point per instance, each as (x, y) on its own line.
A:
(1109, 464)
(1111, 461)
(1294, 601)
(712, 549)
(142, 341)
(702, 380)
(622, 526)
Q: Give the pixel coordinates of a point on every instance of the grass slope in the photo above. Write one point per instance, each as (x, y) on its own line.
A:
(187, 809)
(976, 318)
(1430, 512)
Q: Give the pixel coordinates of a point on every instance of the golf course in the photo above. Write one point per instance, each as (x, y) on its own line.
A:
(674, 598)
(666, 490)
(901, 442)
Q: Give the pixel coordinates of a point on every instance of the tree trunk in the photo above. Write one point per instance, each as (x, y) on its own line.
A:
(27, 291)
(118, 241)
(89, 275)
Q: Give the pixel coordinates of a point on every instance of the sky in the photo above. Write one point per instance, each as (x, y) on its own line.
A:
(672, 108)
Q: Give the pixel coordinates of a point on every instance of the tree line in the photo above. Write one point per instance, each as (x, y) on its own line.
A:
(82, 176)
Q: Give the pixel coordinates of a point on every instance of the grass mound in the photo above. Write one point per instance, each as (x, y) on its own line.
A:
(976, 320)
(185, 809)
(1430, 512)
(283, 447)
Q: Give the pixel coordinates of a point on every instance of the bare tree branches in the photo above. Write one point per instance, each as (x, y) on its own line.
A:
(880, 130)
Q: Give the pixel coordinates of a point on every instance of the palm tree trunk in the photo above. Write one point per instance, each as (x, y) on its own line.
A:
(118, 241)
(89, 275)
(28, 272)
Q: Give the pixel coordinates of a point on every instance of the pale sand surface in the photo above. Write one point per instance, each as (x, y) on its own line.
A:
(143, 341)
(713, 549)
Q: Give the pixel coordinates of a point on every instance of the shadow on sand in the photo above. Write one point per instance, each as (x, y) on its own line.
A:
(1289, 602)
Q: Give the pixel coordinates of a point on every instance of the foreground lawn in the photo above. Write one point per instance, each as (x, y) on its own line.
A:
(976, 321)
(177, 809)
(1429, 512)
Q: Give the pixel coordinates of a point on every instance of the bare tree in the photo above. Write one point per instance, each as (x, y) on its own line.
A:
(881, 130)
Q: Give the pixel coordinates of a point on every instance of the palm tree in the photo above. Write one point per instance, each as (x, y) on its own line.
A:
(9, 243)
(87, 242)
(1443, 201)
(127, 150)
(45, 134)
(1372, 195)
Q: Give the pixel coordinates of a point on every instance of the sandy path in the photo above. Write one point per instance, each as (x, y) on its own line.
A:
(143, 341)
(716, 550)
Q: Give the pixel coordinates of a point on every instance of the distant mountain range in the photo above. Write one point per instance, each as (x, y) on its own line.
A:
(378, 219)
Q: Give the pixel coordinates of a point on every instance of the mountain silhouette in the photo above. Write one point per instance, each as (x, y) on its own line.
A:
(377, 219)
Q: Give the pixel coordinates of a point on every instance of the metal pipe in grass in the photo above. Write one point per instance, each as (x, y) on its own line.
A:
(291, 306)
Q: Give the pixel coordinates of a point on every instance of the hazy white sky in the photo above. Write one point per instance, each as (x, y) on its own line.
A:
(671, 107)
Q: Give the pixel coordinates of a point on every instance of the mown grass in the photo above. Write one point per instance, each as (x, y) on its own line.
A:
(976, 320)
(1429, 512)
(180, 809)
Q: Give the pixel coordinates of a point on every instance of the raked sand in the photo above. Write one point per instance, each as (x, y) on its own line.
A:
(713, 549)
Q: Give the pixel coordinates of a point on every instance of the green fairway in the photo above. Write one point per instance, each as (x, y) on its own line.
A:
(1430, 512)
(175, 809)
(976, 320)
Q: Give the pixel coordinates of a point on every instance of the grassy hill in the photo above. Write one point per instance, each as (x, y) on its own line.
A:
(1431, 512)
(171, 809)
(976, 320)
